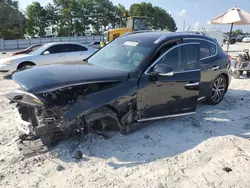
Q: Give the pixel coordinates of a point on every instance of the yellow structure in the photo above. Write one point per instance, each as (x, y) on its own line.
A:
(134, 23)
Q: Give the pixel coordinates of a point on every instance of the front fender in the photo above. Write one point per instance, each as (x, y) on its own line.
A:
(118, 97)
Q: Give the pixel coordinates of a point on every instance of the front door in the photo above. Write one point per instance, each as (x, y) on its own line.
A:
(56, 55)
(161, 96)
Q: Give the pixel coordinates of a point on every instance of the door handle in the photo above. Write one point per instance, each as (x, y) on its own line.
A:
(193, 84)
(215, 68)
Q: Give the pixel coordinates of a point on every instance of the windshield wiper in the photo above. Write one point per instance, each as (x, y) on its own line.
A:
(85, 60)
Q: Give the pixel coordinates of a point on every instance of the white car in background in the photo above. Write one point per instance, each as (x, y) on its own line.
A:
(51, 53)
(246, 39)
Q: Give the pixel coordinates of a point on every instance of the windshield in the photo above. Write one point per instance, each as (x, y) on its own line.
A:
(122, 55)
(141, 24)
(39, 50)
(33, 48)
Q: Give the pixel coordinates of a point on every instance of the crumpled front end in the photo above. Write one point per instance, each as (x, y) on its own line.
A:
(42, 114)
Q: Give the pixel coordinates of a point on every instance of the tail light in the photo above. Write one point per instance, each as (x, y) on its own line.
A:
(229, 57)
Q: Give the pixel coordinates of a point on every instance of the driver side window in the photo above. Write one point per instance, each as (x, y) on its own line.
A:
(181, 58)
(55, 49)
(174, 58)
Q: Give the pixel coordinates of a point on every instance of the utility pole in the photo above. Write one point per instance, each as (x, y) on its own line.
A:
(184, 25)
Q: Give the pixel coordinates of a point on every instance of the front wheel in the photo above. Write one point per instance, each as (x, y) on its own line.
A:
(25, 65)
(218, 90)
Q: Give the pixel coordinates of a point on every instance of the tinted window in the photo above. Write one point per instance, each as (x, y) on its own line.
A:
(191, 57)
(55, 49)
(174, 58)
(204, 50)
(76, 48)
(213, 48)
(163, 49)
(65, 48)
(181, 58)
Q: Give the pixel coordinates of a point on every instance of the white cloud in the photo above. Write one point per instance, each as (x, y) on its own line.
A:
(196, 5)
(196, 25)
(182, 12)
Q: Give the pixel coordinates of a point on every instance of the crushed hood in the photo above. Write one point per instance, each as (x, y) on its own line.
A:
(40, 79)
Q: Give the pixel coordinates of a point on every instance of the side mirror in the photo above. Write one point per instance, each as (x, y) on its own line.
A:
(46, 53)
(163, 70)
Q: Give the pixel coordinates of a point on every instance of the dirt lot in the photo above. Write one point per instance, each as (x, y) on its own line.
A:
(209, 149)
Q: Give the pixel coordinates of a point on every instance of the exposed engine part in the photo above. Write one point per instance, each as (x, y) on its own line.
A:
(47, 122)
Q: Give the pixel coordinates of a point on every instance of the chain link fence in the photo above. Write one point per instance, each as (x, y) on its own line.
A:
(24, 43)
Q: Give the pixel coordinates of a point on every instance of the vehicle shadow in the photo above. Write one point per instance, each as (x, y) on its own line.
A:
(165, 138)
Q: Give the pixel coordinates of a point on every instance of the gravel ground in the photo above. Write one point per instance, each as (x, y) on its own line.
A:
(209, 149)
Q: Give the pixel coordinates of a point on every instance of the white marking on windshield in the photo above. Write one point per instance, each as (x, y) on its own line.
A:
(130, 43)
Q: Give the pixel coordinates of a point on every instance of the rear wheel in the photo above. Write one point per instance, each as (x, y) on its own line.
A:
(248, 74)
(218, 89)
(25, 65)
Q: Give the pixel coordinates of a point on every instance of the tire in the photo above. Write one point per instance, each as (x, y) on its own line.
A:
(248, 74)
(218, 89)
(25, 65)
(233, 41)
(236, 74)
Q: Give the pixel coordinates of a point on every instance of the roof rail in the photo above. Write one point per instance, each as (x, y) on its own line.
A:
(194, 32)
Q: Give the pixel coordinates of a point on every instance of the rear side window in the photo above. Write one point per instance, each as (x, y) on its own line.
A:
(213, 48)
(204, 50)
(207, 49)
(77, 48)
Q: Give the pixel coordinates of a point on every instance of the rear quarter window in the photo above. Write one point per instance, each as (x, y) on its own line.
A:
(213, 48)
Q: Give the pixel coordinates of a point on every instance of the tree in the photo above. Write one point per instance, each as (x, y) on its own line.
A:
(82, 16)
(237, 32)
(67, 13)
(11, 20)
(52, 18)
(36, 20)
(159, 18)
(102, 14)
(119, 13)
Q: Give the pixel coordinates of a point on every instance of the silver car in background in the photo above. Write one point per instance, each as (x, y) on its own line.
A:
(50, 53)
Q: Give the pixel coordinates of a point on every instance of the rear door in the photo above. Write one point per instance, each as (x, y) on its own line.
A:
(76, 53)
(210, 63)
(167, 96)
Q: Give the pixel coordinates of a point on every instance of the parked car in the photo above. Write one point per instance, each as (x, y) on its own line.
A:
(239, 38)
(226, 38)
(95, 45)
(26, 51)
(59, 52)
(136, 78)
(246, 39)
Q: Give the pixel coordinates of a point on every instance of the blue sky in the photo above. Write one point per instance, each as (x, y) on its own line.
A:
(195, 12)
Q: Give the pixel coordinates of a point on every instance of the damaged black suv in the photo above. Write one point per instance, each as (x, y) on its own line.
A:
(138, 77)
